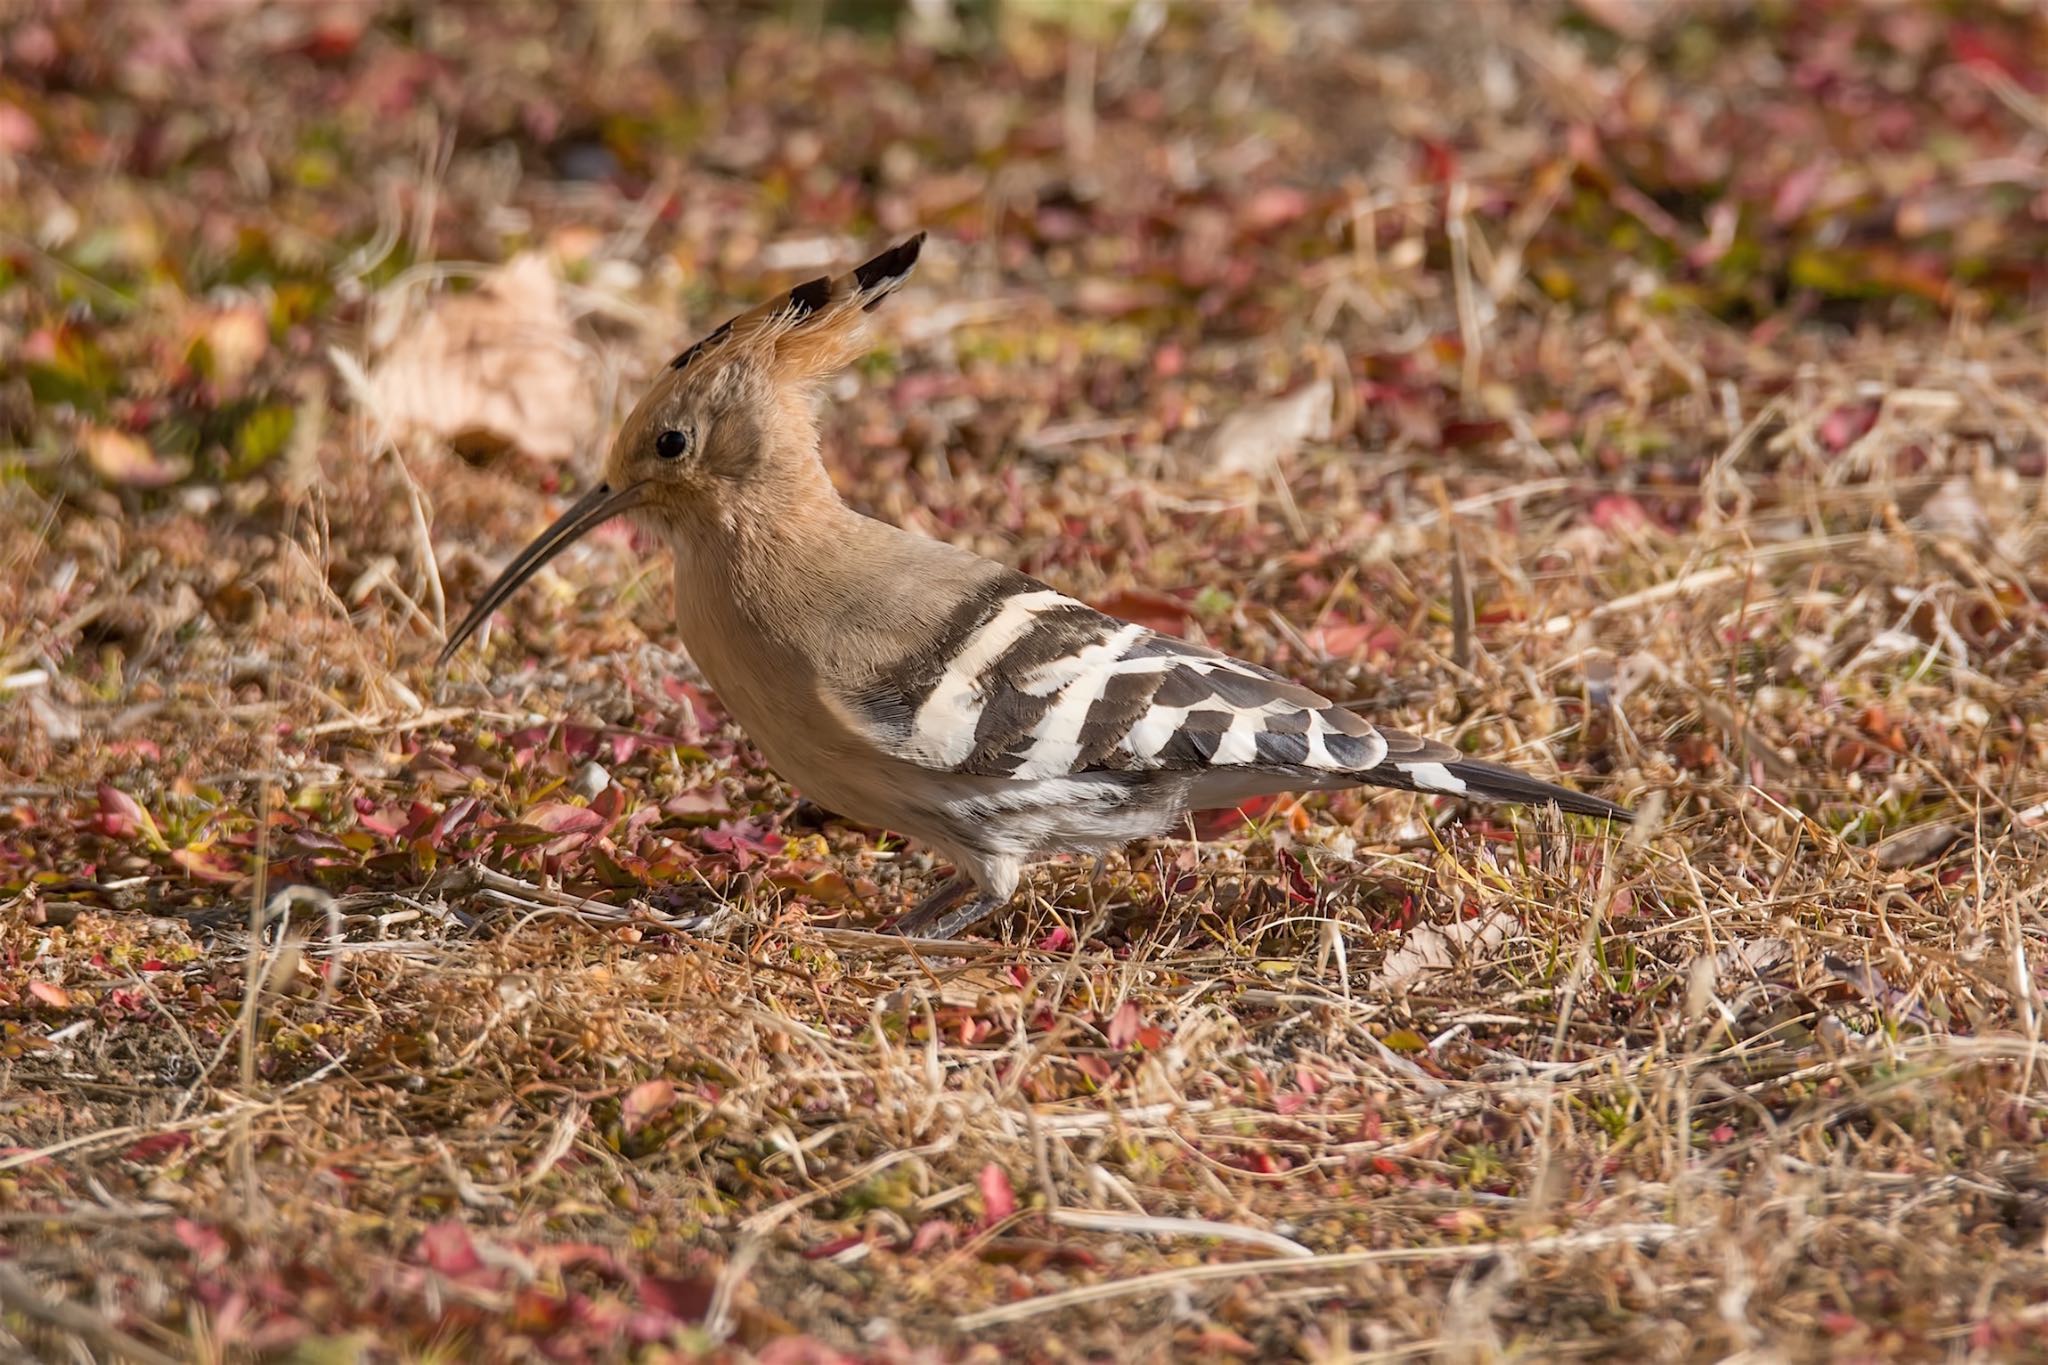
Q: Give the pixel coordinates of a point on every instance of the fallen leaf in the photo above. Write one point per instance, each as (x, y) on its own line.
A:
(207, 864)
(156, 1145)
(1431, 949)
(51, 994)
(644, 1102)
(686, 1299)
(499, 367)
(447, 1248)
(998, 1200)
(931, 1233)
(1153, 610)
(1124, 1025)
(1846, 425)
(122, 817)
(127, 460)
(1255, 439)
(559, 817)
(207, 1243)
(1347, 639)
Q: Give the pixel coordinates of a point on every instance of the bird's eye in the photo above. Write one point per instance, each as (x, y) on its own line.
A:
(672, 444)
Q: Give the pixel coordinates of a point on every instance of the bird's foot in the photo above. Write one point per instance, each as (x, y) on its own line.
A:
(941, 914)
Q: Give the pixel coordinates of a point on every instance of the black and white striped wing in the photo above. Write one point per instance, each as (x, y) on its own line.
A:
(1033, 684)
(1029, 684)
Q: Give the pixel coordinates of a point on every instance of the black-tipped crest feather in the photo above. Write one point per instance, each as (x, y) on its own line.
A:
(882, 276)
(823, 306)
(809, 297)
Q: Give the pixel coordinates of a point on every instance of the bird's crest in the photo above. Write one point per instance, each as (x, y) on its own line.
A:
(814, 329)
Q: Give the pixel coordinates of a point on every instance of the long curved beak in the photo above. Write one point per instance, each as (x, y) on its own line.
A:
(593, 509)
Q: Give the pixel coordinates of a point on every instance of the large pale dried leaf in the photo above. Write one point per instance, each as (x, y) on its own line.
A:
(1429, 948)
(1255, 439)
(497, 367)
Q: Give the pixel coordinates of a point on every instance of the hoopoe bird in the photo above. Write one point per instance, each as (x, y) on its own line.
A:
(914, 685)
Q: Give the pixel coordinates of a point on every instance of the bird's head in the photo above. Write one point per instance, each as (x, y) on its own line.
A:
(728, 423)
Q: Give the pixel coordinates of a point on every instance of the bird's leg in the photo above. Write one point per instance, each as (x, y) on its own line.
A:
(940, 914)
(956, 921)
(936, 902)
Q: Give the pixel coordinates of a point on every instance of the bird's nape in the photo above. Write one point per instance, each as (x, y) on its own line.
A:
(588, 512)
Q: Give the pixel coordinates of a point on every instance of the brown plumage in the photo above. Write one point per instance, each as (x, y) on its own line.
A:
(913, 685)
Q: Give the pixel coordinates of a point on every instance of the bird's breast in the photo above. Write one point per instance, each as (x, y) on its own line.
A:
(772, 687)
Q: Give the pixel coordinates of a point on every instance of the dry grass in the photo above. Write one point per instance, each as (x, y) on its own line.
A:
(529, 1070)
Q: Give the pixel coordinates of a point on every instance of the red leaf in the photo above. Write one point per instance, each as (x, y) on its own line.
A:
(1299, 887)
(826, 1250)
(1217, 824)
(686, 1300)
(1840, 1324)
(1124, 1025)
(998, 1200)
(742, 839)
(1272, 206)
(1619, 512)
(1439, 160)
(703, 713)
(1153, 610)
(51, 994)
(802, 1351)
(208, 1247)
(1345, 639)
(559, 817)
(1059, 938)
(1975, 45)
(157, 1145)
(207, 865)
(1847, 425)
(698, 804)
(930, 1233)
(452, 819)
(121, 817)
(1796, 192)
(386, 821)
(447, 1248)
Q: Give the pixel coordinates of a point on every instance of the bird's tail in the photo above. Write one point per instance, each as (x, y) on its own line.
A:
(1492, 782)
